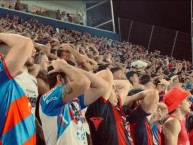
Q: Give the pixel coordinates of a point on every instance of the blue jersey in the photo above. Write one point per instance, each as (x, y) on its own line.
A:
(62, 123)
(17, 124)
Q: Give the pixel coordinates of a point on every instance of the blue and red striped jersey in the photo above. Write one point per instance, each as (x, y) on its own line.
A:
(17, 125)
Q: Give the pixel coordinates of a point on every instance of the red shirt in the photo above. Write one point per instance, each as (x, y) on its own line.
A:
(183, 138)
(191, 137)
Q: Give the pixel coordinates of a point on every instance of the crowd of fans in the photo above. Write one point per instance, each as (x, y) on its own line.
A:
(57, 14)
(85, 89)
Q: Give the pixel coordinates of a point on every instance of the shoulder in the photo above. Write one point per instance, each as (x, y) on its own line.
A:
(172, 125)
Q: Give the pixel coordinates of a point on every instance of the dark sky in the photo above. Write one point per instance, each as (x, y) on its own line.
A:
(169, 14)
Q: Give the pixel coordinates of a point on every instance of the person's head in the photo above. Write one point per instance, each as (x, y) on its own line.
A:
(133, 92)
(177, 100)
(4, 50)
(160, 86)
(147, 82)
(102, 67)
(117, 72)
(63, 54)
(30, 60)
(132, 76)
(128, 108)
(56, 78)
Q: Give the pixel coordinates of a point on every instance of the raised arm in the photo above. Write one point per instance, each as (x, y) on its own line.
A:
(148, 100)
(92, 47)
(46, 50)
(123, 87)
(78, 82)
(20, 50)
(99, 85)
(80, 59)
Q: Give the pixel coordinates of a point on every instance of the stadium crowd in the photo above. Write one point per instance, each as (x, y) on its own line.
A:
(76, 17)
(85, 89)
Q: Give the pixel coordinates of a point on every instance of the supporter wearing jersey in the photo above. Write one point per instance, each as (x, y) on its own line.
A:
(142, 106)
(104, 116)
(174, 131)
(17, 124)
(29, 85)
(60, 111)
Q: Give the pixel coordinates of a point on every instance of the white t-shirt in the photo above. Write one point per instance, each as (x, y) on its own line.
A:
(29, 85)
(62, 124)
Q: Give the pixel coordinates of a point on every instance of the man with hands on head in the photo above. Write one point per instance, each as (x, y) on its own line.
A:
(104, 116)
(60, 108)
(60, 116)
(142, 104)
(16, 119)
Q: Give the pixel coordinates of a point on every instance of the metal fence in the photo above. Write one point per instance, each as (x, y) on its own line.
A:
(170, 42)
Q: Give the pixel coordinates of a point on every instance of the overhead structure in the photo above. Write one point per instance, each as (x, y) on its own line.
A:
(100, 14)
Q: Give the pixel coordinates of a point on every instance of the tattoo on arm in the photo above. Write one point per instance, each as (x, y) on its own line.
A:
(66, 91)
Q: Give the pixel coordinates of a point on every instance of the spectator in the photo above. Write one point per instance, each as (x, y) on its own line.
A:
(174, 131)
(17, 5)
(58, 15)
(117, 73)
(69, 17)
(15, 106)
(142, 105)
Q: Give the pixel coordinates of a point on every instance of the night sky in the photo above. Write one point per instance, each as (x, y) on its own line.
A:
(169, 14)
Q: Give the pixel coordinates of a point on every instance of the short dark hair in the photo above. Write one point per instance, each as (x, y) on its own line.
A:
(59, 52)
(145, 79)
(115, 69)
(52, 78)
(70, 62)
(130, 74)
(134, 91)
(103, 67)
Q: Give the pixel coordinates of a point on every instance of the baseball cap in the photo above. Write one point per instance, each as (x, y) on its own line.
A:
(174, 97)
